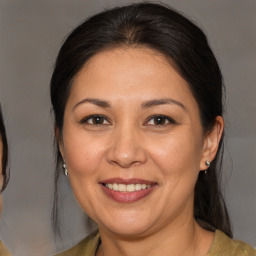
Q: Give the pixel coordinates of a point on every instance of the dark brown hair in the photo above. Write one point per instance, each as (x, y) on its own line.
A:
(4, 159)
(165, 30)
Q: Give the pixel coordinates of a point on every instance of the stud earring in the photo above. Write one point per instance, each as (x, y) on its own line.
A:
(208, 164)
(65, 169)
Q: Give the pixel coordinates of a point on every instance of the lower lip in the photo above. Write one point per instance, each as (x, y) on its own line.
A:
(127, 197)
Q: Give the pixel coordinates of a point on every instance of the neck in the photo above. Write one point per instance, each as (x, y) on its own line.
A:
(188, 239)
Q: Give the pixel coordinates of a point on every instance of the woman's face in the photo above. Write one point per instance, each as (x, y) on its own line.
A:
(133, 142)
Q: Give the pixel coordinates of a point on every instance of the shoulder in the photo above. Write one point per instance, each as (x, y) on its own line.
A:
(225, 246)
(87, 246)
(3, 250)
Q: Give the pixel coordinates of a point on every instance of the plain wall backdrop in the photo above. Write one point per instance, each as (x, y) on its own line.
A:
(31, 33)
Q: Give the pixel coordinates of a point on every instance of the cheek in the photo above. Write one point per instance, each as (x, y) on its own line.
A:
(83, 153)
(178, 160)
(83, 156)
(178, 154)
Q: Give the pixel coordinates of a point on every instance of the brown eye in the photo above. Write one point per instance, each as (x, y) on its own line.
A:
(95, 120)
(160, 120)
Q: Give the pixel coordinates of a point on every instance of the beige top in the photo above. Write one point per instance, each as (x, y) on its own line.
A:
(3, 250)
(222, 246)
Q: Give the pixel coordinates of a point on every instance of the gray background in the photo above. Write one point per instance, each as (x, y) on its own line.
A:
(31, 33)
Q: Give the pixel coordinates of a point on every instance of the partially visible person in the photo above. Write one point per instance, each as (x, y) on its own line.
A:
(4, 177)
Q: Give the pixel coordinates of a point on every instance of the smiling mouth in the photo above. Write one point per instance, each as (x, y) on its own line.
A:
(127, 190)
(126, 187)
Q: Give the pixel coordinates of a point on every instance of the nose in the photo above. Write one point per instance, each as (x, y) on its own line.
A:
(126, 149)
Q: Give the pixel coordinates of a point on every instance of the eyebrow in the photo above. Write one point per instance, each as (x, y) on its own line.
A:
(146, 104)
(97, 102)
(157, 102)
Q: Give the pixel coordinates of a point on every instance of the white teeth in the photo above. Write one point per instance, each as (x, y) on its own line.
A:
(122, 187)
(130, 188)
(138, 186)
(127, 188)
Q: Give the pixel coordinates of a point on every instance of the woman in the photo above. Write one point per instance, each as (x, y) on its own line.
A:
(137, 97)
(4, 172)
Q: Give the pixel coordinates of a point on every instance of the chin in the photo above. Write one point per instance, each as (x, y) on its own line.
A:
(128, 231)
(128, 226)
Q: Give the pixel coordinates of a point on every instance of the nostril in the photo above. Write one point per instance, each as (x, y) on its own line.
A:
(124, 164)
(126, 151)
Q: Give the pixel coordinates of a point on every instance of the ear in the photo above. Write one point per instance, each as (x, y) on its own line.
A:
(211, 142)
(59, 141)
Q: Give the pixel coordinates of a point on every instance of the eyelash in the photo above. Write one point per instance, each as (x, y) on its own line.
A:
(93, 117)
(102, 119)
(161, 118)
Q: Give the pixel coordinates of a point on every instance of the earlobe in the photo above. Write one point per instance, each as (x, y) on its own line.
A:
(211, 142)
(59, 142)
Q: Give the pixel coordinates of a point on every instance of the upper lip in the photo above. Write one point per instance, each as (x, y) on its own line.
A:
(127, 181)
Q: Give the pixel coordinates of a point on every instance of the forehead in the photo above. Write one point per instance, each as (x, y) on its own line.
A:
(126, 70)
(127, 60)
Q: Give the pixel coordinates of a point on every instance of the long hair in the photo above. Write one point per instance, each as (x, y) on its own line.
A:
(5, 171)
(165, 30)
